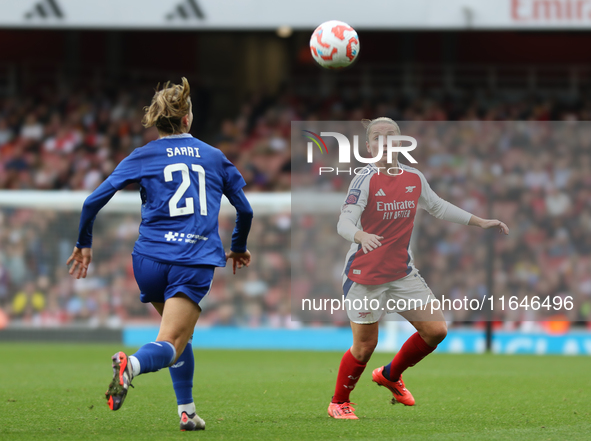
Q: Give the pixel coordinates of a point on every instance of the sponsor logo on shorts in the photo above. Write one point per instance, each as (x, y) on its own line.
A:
(356, 271)
(364, 314)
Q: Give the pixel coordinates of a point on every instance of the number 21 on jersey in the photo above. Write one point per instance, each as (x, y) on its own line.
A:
(189, 207)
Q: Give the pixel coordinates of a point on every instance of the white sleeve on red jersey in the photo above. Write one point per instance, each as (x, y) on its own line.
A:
(355, 202)
(438, 207)
(349, 222)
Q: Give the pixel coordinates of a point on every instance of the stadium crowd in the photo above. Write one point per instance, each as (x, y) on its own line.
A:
(74, 141)
(537, 181)
(533, 176)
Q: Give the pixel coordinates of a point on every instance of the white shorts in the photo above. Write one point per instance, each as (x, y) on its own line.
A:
(367, 303)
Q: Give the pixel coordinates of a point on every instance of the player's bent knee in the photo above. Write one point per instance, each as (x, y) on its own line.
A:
(438, 334)
(178, 341)
(363, 357)
(432, 333)
(363, 351)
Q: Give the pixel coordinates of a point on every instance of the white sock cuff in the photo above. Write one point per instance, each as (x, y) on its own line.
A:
(189, 408)
(136, 368)
(173, 353)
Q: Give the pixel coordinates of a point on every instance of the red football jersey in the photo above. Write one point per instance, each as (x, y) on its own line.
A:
(389, 206)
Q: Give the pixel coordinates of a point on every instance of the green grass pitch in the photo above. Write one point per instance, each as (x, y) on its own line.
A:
(55, 391)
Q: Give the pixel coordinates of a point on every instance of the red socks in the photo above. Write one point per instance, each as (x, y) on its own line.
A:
(411, 352)
(349, 372)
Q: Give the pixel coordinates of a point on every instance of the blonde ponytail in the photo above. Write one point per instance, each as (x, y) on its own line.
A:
(168, 107)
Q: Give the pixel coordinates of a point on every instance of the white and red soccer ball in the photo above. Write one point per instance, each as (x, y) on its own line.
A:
(334, 44)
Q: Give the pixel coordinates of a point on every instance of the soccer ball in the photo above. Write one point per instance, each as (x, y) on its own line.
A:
(334, 45)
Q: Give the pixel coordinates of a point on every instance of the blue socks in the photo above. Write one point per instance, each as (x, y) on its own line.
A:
(154, 356)
(182, 375)
(386, 371)
(159, 354)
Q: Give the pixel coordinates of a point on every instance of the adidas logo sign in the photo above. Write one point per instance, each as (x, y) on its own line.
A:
(380, 193)
(45, 9)
(186, 10)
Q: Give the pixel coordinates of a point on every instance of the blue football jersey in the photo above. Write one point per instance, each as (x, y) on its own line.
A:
(182, 180)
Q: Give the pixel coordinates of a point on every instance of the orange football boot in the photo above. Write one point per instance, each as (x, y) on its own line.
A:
(400, 392)
(342, 411)
(122, 376)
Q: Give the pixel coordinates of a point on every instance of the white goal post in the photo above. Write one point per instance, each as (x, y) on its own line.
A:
(127, 201)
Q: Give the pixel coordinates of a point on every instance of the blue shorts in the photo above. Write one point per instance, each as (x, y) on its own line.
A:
(159, 281)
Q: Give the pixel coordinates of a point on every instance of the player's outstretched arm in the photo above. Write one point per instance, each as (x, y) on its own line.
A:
(489, 223)
(82, 254)
(244, 217)
(81, 258)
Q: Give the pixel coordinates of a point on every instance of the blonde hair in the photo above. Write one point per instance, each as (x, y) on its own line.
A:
(369, 123)
(168, 107)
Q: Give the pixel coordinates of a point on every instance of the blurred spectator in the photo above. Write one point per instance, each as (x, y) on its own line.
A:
(5, 132)
(75, 145)
(28, 302)
(31, 129)
(557, 202)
